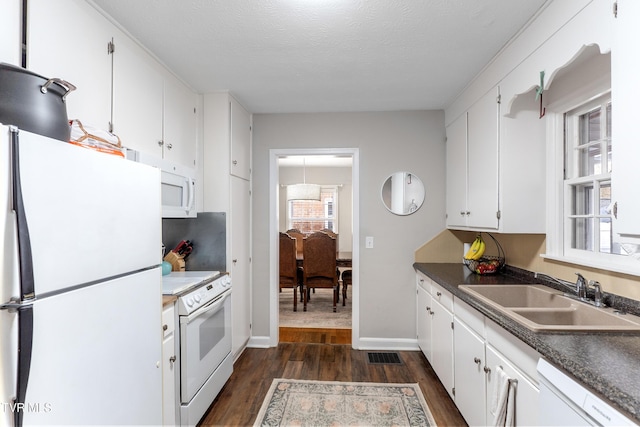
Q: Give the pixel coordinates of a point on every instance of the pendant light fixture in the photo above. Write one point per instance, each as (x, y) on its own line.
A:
(303, 191)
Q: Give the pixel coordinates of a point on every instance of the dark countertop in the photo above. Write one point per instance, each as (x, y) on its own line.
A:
(605, 362)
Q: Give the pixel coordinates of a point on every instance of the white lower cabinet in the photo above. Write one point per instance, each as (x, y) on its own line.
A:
(526, 394)
(424, 315)
(434, 325)
(442, 336)
(481, 347)
(169, 372)
(469, 363)
(465, 349)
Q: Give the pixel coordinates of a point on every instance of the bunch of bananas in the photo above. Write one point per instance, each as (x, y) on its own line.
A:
(476, 250)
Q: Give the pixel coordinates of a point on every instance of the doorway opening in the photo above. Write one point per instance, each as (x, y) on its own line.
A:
(335, 171)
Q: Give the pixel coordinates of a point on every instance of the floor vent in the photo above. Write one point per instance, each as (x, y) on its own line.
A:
(384, 358)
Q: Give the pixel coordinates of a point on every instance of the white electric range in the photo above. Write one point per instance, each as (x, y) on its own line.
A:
(204, 312)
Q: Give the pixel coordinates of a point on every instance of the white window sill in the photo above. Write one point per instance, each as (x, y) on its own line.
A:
(631, 266)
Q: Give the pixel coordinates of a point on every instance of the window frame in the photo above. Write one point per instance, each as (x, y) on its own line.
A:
(335, 206)
(573, 178)
(558, 235)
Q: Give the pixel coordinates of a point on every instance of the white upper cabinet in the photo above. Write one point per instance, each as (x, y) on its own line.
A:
(120, 86)
(457, 172)
(179, 118)
(240, 140)
(482, 161)
(625, 69)
(137, 98)
(153, 111)
(68, 39)
(10, 32)
(472, 166)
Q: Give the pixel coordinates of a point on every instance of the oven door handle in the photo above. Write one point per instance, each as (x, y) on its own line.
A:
(215, 306)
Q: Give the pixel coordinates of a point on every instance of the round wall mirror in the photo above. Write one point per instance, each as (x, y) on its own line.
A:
(402, 193)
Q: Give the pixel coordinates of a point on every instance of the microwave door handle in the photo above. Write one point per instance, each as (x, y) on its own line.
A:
(191, 198)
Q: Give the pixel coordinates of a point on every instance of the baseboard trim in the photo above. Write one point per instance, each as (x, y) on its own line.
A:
(262, 342)
(398, 344)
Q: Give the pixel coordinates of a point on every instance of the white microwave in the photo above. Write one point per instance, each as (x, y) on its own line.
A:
(178, 185)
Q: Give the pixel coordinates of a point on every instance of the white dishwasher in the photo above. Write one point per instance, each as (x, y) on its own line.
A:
(564, 402)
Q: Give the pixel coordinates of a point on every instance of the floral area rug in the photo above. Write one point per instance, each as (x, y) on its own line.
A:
(332, 403)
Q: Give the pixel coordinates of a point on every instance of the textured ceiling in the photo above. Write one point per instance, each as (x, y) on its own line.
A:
(325, 55)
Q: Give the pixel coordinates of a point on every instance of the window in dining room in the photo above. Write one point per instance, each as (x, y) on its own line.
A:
(309, 216)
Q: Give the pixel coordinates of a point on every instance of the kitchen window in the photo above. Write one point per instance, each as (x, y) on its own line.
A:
(585, 233)
(587, 180)
(309, 216)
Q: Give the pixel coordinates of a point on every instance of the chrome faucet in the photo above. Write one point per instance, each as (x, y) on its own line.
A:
(565, 283)
(581, 287)
(597, 292)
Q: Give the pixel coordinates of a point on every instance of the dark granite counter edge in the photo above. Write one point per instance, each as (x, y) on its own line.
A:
(451, 275)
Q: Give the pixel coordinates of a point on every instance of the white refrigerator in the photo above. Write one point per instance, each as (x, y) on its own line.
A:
(81, 289)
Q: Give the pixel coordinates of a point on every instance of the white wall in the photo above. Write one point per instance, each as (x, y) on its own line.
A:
(388, 142)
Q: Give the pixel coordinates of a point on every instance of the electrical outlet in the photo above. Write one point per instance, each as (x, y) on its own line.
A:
(369, 242)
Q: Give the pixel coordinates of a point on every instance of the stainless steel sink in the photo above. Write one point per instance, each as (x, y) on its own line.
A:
(540, 308)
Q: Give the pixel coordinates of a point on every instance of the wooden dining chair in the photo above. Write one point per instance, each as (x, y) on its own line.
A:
(290, 275)
(299, 236)
(334, 235)
(319, 265)
(347, 280)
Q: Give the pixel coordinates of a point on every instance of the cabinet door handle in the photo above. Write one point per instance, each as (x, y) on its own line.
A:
(235, 162)
(477, 360)
(165, 327)
(428, 309)
(487, 370)
(170, 146)
(160, 143)
(172, 359)
(439, 294)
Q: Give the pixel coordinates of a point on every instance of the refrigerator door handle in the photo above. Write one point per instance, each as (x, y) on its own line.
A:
(27, 284)
(25, 347)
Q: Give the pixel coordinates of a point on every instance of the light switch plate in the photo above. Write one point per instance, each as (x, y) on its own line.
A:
(368, 242)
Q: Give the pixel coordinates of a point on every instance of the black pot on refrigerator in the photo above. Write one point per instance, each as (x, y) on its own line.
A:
(34, 103)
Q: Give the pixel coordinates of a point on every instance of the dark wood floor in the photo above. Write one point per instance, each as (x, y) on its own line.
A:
(239, 401)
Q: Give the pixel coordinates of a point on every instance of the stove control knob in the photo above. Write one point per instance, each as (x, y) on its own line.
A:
(226, 281)
(190, 302)
(198, 298)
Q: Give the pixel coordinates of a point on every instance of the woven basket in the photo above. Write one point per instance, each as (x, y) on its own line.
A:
(488, 264)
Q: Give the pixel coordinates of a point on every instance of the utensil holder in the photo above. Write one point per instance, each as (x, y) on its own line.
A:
(176, 261)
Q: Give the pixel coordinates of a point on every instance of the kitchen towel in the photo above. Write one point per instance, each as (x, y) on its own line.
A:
(503, 399)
